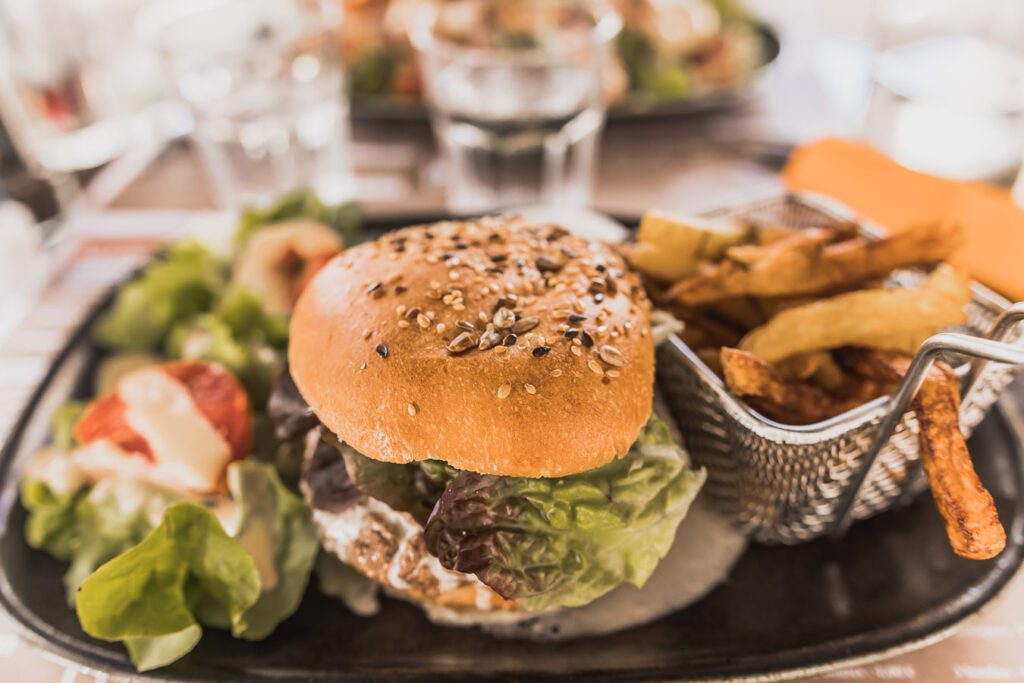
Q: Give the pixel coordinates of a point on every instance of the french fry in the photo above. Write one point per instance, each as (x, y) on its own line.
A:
(788, 402)
(967, 509)
(671, 247)
(828, 375)
(805, 263)
(801, 366)
(896, 319)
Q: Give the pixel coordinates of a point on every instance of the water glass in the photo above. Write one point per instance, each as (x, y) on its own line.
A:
(263, 81)
(515, 90)
(948, 95)
(74, 82)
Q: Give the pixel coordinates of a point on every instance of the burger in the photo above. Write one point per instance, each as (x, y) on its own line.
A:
(475, 403)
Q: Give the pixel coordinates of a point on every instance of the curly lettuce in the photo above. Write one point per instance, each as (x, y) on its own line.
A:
(99, 530)
(566, 541)
(182, 284)
(147, 596)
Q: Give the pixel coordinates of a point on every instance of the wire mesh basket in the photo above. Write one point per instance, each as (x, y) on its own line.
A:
(787, 484)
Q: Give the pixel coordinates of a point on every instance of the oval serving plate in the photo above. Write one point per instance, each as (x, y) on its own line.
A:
(892, 585)
(390, 109)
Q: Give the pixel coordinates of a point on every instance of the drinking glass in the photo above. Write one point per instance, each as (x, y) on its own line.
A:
(74, 82)
(515, 90)
(263, 81)
(948, 94)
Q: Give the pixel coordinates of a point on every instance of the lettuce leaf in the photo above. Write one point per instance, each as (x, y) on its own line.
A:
(184, 283)
(276, 530)
(51, 518)
(62, 425)
(146, 595)
(241, 310)
(342, 218)
(566, 541)
(88, 527)
(157, 595)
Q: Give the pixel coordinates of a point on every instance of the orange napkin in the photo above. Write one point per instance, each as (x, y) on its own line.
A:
(879, 189)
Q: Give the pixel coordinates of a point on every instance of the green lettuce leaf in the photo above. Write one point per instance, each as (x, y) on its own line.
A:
(241, 310)
(566, 541)
(89, 526)
(51, 518)
(62, 426)
(276, 530)
(184, 283)
(169, 583)
(146, 596)
(342, 218)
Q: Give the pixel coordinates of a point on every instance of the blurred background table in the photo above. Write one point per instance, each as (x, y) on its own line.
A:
(819, 86)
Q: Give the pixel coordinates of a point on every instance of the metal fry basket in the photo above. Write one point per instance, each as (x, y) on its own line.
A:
(788, 484)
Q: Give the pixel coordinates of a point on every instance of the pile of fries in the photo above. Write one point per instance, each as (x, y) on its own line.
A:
(805, 324)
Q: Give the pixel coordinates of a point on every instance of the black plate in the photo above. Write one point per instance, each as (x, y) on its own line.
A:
(383, 108)
(892, 584)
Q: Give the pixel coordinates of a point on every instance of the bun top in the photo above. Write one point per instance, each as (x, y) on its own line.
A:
(497, 346)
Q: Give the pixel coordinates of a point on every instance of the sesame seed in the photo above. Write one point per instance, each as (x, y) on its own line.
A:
(367, 332)
(412, 409)
(403, 324)
(576, 351)
(595, 367)
(504, 390)
(483, 317)
(613, 373)
(500, 350)
(441, 328)
(530, 389)
(362, 366)
(453, 275)
(423, 321)
(557, 372)
(393, 278)
(458, 307)
(400, 310)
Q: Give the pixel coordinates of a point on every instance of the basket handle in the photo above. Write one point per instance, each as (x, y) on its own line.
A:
(1007, 320)
(951, 342)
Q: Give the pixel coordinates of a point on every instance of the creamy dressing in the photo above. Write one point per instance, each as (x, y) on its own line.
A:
(186, 447)
(57, 469)
(339, 531)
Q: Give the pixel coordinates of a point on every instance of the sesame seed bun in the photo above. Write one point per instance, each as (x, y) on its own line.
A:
(497, 346)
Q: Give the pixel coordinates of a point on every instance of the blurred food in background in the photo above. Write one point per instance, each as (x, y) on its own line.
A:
(668, 49)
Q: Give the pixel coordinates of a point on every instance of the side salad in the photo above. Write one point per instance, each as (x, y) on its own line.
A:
(167, 493)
